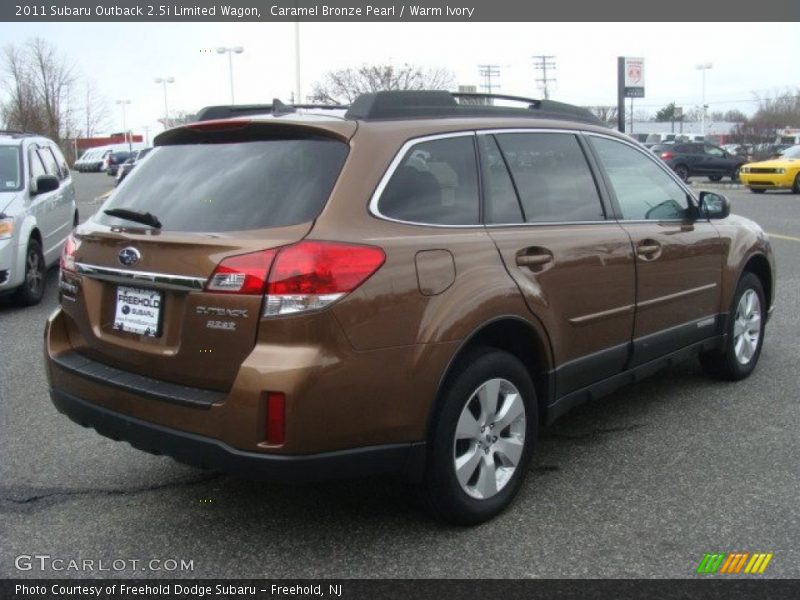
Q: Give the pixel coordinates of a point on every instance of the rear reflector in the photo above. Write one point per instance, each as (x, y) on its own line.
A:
(276, 418)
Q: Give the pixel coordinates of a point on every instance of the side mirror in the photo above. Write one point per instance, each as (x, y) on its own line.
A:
(44, 184)
(714, 206)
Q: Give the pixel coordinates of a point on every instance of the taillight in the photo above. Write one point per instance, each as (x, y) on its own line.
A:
(67, 262)
(299, 278)
(667, 155)
(311, 275)
(242, 274)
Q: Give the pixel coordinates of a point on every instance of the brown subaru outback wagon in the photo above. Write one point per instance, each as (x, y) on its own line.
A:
(413, 286)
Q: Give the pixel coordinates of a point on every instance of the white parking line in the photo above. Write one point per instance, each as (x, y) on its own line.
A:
(784, 237)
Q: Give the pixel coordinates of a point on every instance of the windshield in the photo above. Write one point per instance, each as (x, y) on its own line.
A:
(10, 172)
(232, 186)
(793, 152)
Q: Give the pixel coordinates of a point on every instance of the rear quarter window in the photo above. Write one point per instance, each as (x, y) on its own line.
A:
(233, 186)
(435, 182)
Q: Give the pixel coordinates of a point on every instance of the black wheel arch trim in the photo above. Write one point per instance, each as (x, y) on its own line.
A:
(549, 383)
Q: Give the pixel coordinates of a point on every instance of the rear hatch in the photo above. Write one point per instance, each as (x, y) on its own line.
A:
(138, 294)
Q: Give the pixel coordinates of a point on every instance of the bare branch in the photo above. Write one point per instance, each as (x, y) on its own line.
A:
(343, 86)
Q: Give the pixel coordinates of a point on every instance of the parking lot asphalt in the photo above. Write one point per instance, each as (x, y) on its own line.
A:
(639, 484)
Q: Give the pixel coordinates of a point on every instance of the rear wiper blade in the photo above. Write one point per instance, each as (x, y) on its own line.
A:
(135, 216)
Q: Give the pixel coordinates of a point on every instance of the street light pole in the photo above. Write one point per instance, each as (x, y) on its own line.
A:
(122, 103)
(230, 52)
(297, 87)
(703, 67)
(164, 81)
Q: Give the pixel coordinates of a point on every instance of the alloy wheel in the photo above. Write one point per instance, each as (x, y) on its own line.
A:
(747, 327)
(489, 439)
(33, 273)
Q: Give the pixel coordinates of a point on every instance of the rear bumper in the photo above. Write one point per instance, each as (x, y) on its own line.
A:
(405, 460)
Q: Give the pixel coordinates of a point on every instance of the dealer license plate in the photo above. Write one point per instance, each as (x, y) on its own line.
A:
(138, 310)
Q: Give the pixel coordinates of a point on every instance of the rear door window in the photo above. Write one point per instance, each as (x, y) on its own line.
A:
(233, 186)
(552, 177)
(436, 182)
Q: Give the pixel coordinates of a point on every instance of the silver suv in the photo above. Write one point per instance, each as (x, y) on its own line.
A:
(37, 212)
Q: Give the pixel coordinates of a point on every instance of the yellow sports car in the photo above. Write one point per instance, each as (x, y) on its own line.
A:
(775, 174)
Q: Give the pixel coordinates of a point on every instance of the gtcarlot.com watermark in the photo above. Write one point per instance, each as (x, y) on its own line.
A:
(47, 563)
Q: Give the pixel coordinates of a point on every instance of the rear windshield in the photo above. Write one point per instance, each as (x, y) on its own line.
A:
(232, 186)
(10, 177)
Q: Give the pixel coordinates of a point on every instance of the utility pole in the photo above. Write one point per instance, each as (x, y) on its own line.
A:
(488, 72)
(542, 62)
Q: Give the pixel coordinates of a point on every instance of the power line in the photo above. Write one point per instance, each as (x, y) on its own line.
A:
(542, 62)
(488, 72)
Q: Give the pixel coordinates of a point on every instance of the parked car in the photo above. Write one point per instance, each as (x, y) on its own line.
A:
(37, 213)
(743, 150)
(128, 165)
(692, 159)
(91, 160)
(114, 159)
(411, 289)
(779, 173)
(768, 151)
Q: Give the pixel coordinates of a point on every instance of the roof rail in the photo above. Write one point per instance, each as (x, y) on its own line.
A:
(210, 113)
(16, 133)
(429, 104)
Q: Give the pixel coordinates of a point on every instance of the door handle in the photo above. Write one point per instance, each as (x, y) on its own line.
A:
(648, 249)
(534, 260)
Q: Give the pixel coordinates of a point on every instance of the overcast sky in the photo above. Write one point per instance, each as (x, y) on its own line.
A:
(123, 59)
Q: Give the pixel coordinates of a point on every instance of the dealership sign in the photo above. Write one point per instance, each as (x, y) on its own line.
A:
(634, 77)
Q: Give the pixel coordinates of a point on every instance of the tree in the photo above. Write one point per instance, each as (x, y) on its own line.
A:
(734, 116)
(342, 86)
(39, 84)
(607, 114)
(782, 110)
(666, 114)
(178, 117)
(95, 110)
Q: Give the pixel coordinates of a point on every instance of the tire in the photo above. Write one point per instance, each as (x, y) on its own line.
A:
(757, 190)
(739, 356)
(493, 460)
(32, 289)
(682, 171)
(796, 185)
(715, 178)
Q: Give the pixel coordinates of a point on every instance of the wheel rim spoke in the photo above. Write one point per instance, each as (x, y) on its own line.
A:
(511, 409)
(486, 485)
(510, 450)
(468, 427)
(466, 464)
(487, 396)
